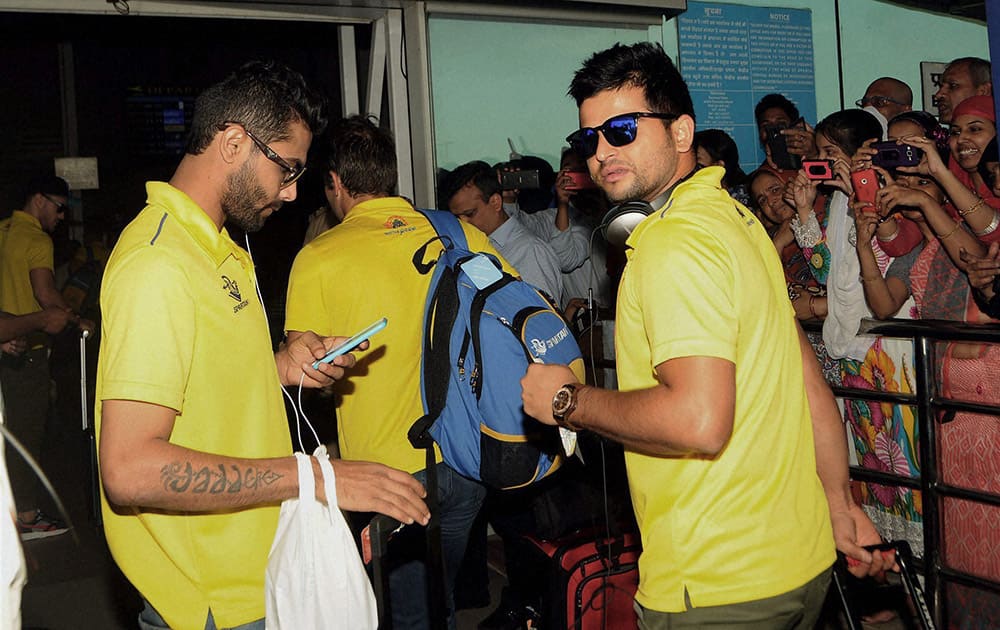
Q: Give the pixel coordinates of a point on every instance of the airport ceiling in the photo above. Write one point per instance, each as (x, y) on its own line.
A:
(973, 9)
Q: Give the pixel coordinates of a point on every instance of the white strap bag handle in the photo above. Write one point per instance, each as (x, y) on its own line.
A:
(315, 578)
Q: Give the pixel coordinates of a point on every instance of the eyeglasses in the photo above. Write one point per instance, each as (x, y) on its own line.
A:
(618, 131)
(876, 101)
(60, 206)
(292, 171)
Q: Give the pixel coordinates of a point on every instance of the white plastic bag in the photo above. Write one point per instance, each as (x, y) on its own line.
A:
(315, 578)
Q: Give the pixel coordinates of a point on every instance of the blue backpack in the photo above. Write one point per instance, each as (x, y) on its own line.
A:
(482, 327)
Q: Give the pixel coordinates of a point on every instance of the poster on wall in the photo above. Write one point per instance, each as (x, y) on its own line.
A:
(731, 56)
(930, 81)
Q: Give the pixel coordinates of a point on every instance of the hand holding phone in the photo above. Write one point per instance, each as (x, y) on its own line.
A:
(820, 170)
(866, 184)
(778, 145)
(891, 155)
(578, 180)
(519, 180)
(351, 344)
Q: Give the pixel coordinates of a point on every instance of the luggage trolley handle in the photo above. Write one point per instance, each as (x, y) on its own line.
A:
(904, 558)
(375, 542)
(84, 415)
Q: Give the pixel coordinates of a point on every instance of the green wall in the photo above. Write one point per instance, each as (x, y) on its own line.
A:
(495, 80)
(491, 79)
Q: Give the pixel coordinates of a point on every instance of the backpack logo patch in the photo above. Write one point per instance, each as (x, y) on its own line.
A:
(538, 346)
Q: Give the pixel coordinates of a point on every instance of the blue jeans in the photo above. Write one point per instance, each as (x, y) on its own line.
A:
(459, 500)
(149, 619)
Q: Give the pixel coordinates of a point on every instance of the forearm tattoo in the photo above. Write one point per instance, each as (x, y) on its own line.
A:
(182, 477)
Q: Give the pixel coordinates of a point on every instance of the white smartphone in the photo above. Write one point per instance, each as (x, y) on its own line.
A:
(351, 343)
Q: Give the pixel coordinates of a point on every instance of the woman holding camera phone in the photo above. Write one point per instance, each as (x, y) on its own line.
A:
(883, 434)
(967, 371)
(972, 201)
(767, 200)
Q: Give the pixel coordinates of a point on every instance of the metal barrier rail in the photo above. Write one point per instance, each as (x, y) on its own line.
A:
(928, 403)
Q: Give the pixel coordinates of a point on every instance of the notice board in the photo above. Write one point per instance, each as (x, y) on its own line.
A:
(733, 55)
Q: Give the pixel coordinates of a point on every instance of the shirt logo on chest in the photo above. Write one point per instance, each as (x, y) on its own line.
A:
(233, 289)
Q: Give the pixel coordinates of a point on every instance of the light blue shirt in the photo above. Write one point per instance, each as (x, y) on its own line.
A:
(582, 269)
(532, 257)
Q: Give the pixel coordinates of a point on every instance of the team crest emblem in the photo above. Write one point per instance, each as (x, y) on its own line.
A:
(394, 223)
(232, 287)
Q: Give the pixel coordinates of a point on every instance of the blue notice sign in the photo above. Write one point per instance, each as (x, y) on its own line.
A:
(731, 56)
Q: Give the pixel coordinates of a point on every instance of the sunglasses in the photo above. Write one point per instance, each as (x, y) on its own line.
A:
(618, 131)
(60, 207)
(292, 171)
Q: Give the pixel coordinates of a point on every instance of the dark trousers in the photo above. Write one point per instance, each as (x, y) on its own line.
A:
(25, 382)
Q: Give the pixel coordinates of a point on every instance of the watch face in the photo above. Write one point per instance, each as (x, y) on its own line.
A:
(561, 401)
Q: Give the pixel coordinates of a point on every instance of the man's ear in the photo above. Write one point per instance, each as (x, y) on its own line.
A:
(496, 202)
(986, 89)
(34, 201)
(231, 143)
(335, 184)
(683, 130)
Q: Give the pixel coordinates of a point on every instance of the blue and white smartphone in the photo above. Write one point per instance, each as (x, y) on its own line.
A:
(352, 343)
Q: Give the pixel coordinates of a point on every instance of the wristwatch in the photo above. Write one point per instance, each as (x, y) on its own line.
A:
(563, 404)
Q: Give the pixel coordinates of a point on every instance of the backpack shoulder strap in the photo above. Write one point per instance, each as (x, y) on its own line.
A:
(440, 313)
(449, 232)
(447, 224)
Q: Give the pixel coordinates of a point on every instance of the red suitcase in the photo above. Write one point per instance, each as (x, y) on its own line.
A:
(593, 579)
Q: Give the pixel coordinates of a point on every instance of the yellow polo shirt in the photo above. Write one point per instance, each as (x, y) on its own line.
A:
(703, 279)
(24, 246)
(350, 276)
(183, 328)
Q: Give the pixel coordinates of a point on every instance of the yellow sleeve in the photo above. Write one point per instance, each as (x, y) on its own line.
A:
(149, 330)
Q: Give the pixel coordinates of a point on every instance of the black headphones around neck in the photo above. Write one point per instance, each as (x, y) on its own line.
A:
(621, 219)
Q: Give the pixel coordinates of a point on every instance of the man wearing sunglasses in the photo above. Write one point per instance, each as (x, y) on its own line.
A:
(27, 286)
(734, 488)
(194, 447)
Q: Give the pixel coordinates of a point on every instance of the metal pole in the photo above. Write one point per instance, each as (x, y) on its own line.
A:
(923, 358)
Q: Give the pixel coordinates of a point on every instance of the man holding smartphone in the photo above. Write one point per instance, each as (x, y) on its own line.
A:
(719, 388)
(785, 136)
(194, 448)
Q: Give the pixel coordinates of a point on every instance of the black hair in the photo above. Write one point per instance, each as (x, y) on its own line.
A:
(478, 173)
(991, 153)
(720, 146)
(46, 184)
(775, 100)
(264, 96)
(849, 128)
(363, 155)
(643, 65)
